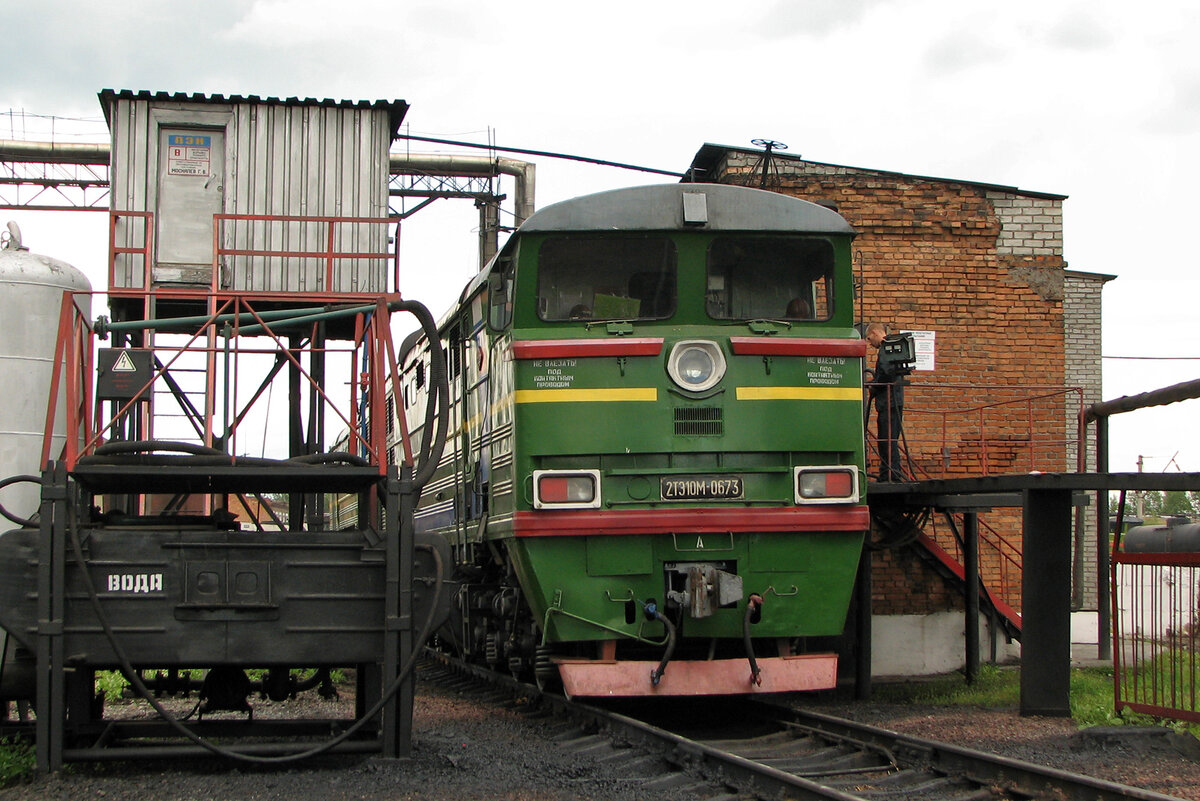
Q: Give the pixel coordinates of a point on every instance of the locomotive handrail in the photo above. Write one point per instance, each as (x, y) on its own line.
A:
(556, 610)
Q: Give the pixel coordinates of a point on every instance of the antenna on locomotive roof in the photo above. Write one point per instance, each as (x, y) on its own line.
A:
(768, 145)
(13, 240)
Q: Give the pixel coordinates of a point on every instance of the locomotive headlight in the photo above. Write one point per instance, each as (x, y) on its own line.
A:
(566, 489)
(834, 484)
(696, 364)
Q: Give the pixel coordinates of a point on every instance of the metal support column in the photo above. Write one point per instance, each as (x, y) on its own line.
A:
(314, 440)
(51, 684)
(1103, 555)
(1046, 603)
(398, 629)
(971, 590)
(862, 653)
(409, 495)
(296, 446)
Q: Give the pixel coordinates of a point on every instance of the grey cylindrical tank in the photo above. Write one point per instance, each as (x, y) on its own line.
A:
(1174, 538)
(31, 288)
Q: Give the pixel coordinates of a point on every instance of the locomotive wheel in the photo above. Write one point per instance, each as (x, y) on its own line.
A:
(545, 672)
(491, 650)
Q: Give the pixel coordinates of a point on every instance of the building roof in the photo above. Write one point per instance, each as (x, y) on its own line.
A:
(1103, 277)
(704, 164)
(396, 108)
(660, 207)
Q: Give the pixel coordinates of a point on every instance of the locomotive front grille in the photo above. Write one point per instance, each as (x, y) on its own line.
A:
(699, 421)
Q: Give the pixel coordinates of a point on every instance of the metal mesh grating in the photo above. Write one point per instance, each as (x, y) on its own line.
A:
(699, 421)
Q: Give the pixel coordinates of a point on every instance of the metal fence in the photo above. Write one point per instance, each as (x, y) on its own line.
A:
(1156, 633)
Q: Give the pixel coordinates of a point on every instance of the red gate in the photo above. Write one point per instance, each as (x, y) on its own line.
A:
(1156, 633)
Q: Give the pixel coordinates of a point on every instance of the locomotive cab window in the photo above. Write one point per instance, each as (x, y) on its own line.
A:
(500, 294)
(606, 278)
(770, 277)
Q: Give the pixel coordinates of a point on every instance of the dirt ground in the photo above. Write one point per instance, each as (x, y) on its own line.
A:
(464, 750)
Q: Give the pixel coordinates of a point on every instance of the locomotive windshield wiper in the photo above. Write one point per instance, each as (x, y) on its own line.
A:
(765, 326)
(616, 327)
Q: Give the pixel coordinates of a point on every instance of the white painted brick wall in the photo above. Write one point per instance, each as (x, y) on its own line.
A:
(1029, 226)
(1083, 368)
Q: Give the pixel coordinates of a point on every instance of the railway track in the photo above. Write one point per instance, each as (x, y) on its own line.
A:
(746, 748)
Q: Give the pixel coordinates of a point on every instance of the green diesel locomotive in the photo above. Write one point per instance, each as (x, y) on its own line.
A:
(655, 483)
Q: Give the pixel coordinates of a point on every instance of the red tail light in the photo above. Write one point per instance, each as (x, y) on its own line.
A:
(566, 489)
(836, 484)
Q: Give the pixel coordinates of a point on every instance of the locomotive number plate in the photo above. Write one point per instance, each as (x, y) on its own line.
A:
(696, 488)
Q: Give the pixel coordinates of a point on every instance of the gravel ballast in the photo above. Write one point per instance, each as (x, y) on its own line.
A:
(465, 750)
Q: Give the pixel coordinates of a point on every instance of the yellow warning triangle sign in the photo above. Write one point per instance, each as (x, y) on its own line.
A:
(124, 364)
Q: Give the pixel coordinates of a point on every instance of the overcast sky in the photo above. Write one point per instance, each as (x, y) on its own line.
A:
(1096, 100)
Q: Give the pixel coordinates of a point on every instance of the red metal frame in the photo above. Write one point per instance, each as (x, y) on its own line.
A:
(328, 253)
(73, 359)
(1156, 663)
(73, 372)
(956, 567)
(1036, 440)
(72, 350)
(789, 346)
(569, 348)
(652, 346)
(612, 679)
(146, 251)
(572, 523)
(989, 427)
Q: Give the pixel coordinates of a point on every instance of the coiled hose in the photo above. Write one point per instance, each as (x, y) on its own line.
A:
(20, 521)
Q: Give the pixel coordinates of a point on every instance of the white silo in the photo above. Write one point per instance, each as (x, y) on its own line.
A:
(31, 289)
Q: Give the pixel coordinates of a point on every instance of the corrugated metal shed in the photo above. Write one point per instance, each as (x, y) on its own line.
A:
(185, 158)
(396, 108)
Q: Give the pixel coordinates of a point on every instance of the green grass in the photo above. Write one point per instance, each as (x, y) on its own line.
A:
(998, 688)
(16, 761)
(993, 687)
(1173, 674)
(112, 684)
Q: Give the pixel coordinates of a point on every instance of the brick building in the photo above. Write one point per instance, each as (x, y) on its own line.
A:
(978, 269)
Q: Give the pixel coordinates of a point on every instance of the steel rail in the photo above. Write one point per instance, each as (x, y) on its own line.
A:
(960, 772)
(981, 767)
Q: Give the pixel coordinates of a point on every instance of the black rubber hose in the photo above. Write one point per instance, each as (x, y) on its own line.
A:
(148, 445)
(754, 602)
(657, 674)
(431, 447)
(331, 457)
(134, 679)
(20, 521)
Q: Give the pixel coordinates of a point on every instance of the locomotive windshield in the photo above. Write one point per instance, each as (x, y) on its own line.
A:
(606, 278)
(770, 277)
